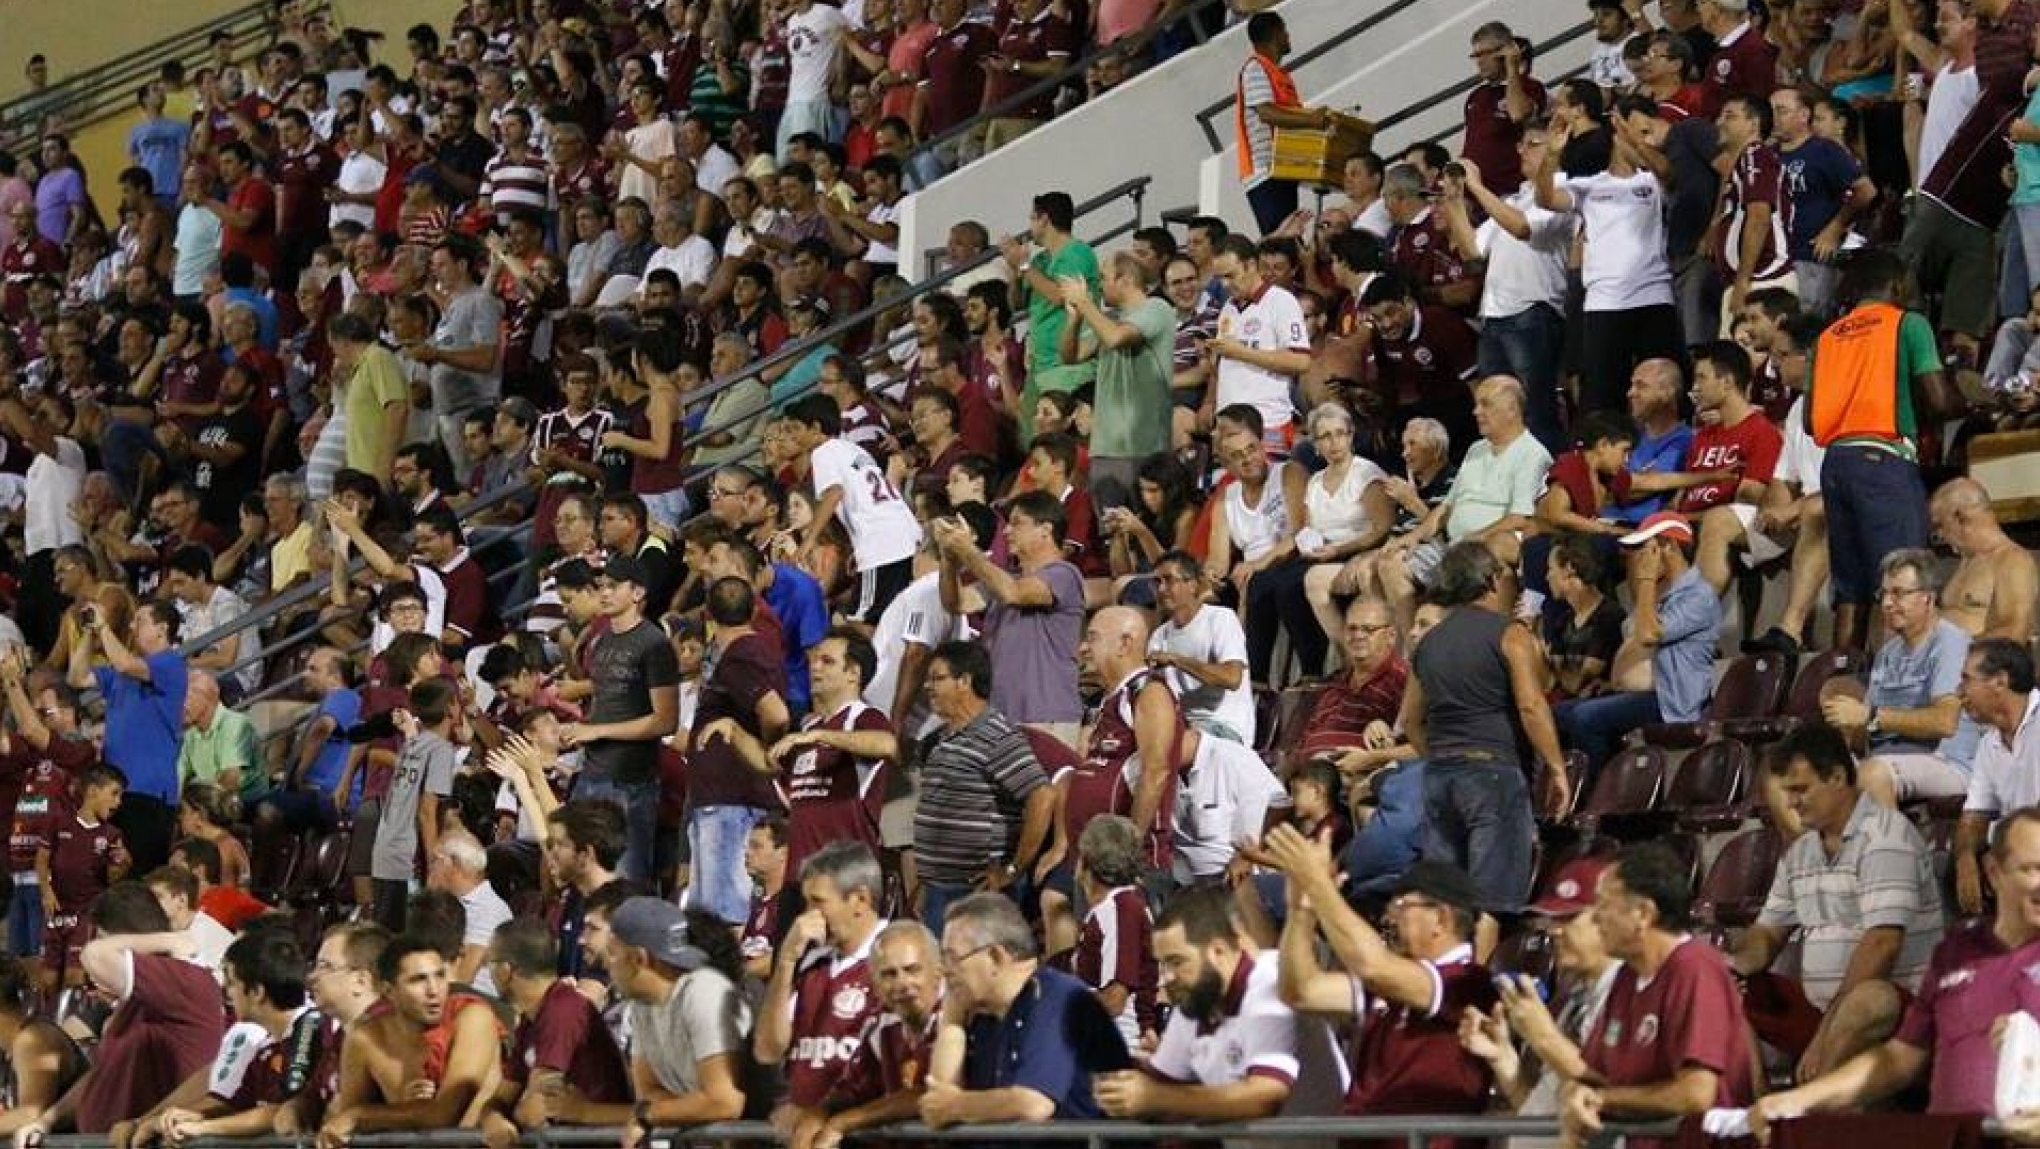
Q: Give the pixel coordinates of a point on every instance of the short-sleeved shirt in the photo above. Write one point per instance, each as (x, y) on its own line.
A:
(1818, 174)
(1971, 982)
(1269, 320)
(891, 1056)
(280, 1067)
(705, 1017)
(1625, 265)
(746, 670)
(1682, 666)
(41, 785)
(1213, 635)
(1116, 947)
(1430, 366)
(1910, 677)
(1744, 64)
(1883, 876)
(975, 782)
(1046, 37)
(1034, 650)
(567, 1036)
(916, 615)
(1133, 384)
(473, 318)
(425, 765)
(1749, 448)
(2002, 777)
(1571, 473)
(833, 1001)
(1756, 180)
(953, 76)
(1492, 134)
(257, 241)
(1423, 251)
(1571, 642)
(881, 524)
(1053, 1039)
(145, 724)
(166, 1028)
(1688, 1014)
(1345, 710)
(626, 668)
(1045, 317)
(485, 911)
(831, 794)
(1408, 1059)
(1653, 455)
(1223, 797)
(1492, 485)
(80, 855)
(378, 381)
(1254, 1035)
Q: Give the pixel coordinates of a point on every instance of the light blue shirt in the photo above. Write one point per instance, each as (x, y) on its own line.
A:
(1689, 625)
(157, 146)
(1911, 678)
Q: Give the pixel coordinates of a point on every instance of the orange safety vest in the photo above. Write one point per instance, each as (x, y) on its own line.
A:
(1285, 97)
(1855, 377)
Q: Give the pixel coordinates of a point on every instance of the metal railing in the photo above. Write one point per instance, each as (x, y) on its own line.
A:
(1415, 1132)
(108, 87)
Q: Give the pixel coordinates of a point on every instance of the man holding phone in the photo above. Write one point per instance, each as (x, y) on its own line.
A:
(1132, 338)
(144, 687)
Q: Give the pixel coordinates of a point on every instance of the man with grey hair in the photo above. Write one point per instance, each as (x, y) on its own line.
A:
(1115, 952)
(885, 1077)
(821, 992)
(460, 866)
(1422, 248)
(1911, 716)
(1493, 499)
(1745, 63)
(690, 257)
(1019, 1041)
(1500, 104)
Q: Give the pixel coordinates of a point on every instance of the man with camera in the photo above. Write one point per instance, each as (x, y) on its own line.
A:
(143, 682)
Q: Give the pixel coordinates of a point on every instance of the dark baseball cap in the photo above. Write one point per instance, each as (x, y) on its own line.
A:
(660, 928)
(1440, 882)
(626, 568)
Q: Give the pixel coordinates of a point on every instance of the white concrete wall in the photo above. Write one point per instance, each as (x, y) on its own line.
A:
(1151, 126)
(1404, 76)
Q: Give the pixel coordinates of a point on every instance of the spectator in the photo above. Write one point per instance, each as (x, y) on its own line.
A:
(839, 762)
(1114, 954)
(1032, 1039)
(1032, 619)
(265, 987)
(462, 351)
(985, 807)
(1132, 352)
(1994, 590)
(460, 866)
(851, 487)
(1911, 714)
(1827, 191)
(678, 971)
(46, 749)
(1998, 695)
(206, 607)
(373, 401)
(1474, 699)
(1261, 346)
(1754, 250)
(1868, 419)
(1501, 104)
(219, 747)
(1407, 1000)
(1859, 886)
(1678, 619)
(143, 683)
(62, 210)
(564, 1066)
(1745, 62)
(459, 1030)
(1582, 627)
(1225, 795)
(820, 997)
(1253, 517)
(744, 697)
(37, 1042)
(1138, 720)
(80, 854)
(1793, 510)
(1697, 1056)
(1347, 513)
(1732, 436)
(409, 822)
(952, 82)
(886, 1075)
(1200, 651)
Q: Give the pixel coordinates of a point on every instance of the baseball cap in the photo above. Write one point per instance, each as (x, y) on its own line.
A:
(625, 568)
(660, 928)
(1664, 522)
(1573, 892)
(1440, 881)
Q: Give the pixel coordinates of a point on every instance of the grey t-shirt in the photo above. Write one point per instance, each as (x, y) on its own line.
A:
(474, 318)
(425, 765)
(1034, 651)
(1910, 679)
(705, 1017)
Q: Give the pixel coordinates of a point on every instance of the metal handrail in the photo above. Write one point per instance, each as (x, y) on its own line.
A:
(1074, 71)
(107, 87)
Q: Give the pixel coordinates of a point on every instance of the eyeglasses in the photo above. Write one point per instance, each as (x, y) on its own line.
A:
(951, 961)
(1370, 631)
(1410, 901)
(331, 967)
(715, 493)
(1889, 593)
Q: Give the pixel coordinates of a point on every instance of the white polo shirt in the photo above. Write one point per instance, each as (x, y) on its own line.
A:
(1223, 797)
(1271, 320)
(1257, 1036)
(1623, 264)
(2004, 778)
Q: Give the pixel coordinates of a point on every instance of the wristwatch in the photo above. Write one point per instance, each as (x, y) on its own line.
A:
(1873, 727)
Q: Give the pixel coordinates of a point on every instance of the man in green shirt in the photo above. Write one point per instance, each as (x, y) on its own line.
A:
(1132, 348)
(219, 743)
(375, 398)
(1037, 285)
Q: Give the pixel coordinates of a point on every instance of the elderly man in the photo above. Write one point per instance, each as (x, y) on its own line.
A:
(1998, 695)
(1492, 500)
(1200, 651)
(1995, 587)
(986, 806)
(460, 866)
(1019, 1041)
(1946, 1037)
(1677, 617)
(1859, 888)
(886, 1075)
(219, 745)
(687, 255)
(1911, 716)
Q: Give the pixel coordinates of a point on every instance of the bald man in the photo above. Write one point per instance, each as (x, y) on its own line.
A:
(219, 745)
(1992, 592)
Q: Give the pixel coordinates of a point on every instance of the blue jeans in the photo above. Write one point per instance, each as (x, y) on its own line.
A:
(640, 804)
(716, 880)
(2022, 259)
(1384, 849)
(1876, 504)
(1595, 726)
(1529, 345)
(1478, 818)
(667, 507)
(25, 921)
(936, 898)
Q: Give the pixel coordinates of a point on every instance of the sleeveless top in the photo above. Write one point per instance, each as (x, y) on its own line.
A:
(657, 476)
(1256, 530)
(1339, 515)
(1106, 781)
(439, 1039)
(1469, 710)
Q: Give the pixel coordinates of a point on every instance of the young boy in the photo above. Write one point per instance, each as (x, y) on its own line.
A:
(83, 855)
(423, 778)
(1115, 954)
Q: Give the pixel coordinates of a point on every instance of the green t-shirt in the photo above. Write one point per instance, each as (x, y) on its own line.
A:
(378, 381)
(1045, 318)
(1130, 418)
(1918, 354)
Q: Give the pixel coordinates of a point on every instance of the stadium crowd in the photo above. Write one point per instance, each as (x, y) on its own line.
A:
(465, 672)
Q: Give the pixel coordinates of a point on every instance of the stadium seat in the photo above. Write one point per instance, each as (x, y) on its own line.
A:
(1710, 789)
(1576, 773)
(1803, 703)
(1267, 717)
(1627, 790)
(1740, 878)
(1753, 687)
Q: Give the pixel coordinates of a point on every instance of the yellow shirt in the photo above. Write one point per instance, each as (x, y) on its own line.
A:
(378, 381)
(289, 557)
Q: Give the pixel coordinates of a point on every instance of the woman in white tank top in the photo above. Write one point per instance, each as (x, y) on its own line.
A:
(1347, 513)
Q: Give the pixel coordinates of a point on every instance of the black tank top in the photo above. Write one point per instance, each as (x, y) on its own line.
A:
(1469, 709)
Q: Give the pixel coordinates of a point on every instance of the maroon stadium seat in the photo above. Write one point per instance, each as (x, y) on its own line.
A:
(1628, 787)
(1753, 687)
(1803, 704)
(1710, 789)
(1739, 879)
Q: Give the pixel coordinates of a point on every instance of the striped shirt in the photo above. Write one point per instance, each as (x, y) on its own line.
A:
(975, 782)
(510, 184)
(1340, 718)
(1881, 876)
(1256, 89)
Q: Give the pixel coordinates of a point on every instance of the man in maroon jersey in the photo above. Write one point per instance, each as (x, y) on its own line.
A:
(820, 995)
(564, 1067)
(38, 759)
(765, 866)
(82, 856)
(1498, 106)
(883, 1082)
(344, 989)
(305, 168)
(1672, 1040)
(1409, 997)
(836, 765)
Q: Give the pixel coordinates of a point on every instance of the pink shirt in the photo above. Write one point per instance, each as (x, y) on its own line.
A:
(903, 60)
(1118, 18)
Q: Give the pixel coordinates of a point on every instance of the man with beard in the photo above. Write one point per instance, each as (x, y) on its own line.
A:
(1232, 1051)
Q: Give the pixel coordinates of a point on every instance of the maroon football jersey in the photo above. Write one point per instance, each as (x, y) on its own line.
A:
(832, 1001)
(1117, 947)
(45, 796)
(78, 861)
(832, 796)
(892, 1056)
(1101, 785)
